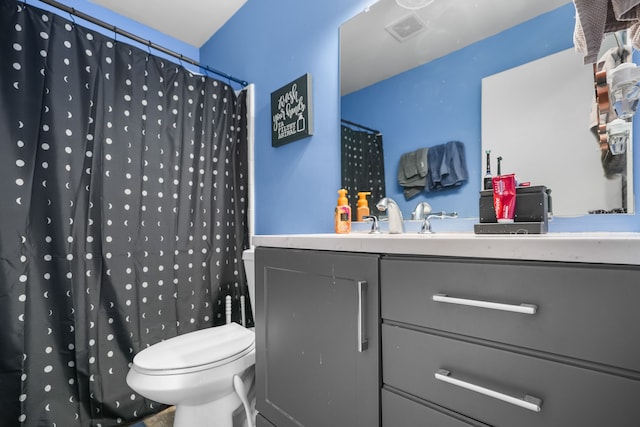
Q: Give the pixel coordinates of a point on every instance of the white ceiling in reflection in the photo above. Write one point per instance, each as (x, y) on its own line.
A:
(370, 53)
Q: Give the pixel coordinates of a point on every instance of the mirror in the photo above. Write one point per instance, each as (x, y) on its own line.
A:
(422, 85)
(540, 139)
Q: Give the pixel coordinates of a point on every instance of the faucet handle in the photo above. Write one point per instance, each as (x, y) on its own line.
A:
(426, 224)
(375, 225)
(443, 215)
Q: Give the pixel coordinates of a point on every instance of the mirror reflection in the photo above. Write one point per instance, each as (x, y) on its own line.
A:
(550, 141)
(428, 90)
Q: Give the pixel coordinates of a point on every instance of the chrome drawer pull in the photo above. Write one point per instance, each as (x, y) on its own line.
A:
(529, 402)
(363, 342)
(522, 308)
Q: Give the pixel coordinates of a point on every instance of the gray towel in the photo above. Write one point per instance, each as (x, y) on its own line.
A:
(412, 172)
(597, 17)
(409, 166)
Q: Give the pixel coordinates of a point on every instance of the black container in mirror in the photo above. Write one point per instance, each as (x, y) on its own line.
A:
(533, 204)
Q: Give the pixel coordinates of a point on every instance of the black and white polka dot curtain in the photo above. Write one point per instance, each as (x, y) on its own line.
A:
(123, 215)
(362, 166)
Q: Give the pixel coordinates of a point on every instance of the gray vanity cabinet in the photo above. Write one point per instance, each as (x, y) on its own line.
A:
(511, 343)
(444, 341)
(317, 335)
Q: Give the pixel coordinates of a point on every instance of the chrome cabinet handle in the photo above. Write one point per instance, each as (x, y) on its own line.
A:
(528, 402)
(363, 342)
(522, 308)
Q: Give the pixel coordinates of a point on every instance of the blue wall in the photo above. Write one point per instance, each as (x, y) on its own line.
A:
(441, 101)
(272, 43)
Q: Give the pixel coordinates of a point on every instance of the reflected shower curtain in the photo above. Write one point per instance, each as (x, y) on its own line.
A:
(123, 215)
(362, 166)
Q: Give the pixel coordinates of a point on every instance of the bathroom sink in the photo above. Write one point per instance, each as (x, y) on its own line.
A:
(447, 226)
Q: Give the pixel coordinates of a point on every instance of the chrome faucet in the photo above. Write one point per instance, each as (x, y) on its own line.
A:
(426, 224)
(421, 210)
(396, 223)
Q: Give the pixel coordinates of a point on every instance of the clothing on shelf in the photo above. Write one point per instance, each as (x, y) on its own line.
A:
(611, 165)
(607, 62)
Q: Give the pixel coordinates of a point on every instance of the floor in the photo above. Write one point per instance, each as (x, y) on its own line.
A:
(161, 419)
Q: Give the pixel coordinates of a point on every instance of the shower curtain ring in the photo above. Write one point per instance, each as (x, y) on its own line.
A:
(71, 13)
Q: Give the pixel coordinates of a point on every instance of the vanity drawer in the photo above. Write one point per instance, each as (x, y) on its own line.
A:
(399, 411)
(585, 311)
(569, 395)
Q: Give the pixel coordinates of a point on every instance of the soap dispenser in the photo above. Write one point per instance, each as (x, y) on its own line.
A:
(363, 205)
(343, 213)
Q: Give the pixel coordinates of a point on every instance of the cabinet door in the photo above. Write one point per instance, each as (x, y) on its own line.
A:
(317, 338)
(262, 421)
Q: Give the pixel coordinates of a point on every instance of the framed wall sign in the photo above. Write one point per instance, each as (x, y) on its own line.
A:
(291, 112)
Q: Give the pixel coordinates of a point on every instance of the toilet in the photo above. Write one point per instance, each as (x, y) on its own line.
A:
(207, 374)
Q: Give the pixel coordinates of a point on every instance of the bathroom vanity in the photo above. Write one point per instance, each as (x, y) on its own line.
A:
(460, 330)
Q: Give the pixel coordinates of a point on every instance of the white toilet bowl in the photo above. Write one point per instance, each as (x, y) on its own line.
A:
(207, 374)
(195, 372)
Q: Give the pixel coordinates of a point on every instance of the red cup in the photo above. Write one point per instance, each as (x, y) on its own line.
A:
(504, 197)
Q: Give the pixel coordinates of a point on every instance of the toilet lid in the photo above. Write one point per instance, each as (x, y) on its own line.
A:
(196, 348)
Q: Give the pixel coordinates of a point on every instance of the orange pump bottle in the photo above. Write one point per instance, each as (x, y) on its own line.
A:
(363, 205)
(343, 213)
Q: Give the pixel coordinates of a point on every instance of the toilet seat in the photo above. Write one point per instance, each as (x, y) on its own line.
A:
(196, 351)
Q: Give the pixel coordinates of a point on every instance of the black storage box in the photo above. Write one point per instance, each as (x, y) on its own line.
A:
(539, 227)
(533, 204)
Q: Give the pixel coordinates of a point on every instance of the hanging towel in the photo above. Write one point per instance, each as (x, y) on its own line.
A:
(412, 172)
(594, 18)
(447, 166)
(408, 169)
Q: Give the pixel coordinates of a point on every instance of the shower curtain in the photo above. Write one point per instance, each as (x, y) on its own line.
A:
(123, 215)
(362, 166)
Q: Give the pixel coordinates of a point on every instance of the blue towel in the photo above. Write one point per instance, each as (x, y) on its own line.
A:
(447, 166)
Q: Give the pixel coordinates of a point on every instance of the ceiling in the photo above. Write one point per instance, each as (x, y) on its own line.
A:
(190, 21)
(370, 53)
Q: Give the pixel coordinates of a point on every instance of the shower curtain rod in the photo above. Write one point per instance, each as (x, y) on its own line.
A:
(140, 40)
(360, 126)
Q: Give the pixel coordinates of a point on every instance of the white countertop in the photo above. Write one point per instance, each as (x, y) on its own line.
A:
(614, 248)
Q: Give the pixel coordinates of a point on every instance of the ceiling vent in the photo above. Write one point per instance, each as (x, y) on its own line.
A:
(406, 27)
(413, 4)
